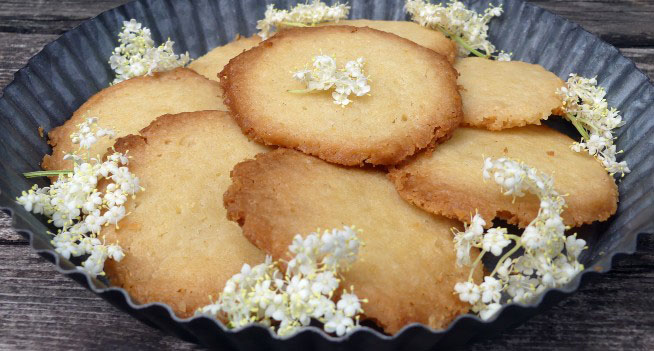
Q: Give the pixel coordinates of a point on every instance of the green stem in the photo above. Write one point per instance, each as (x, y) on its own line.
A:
(475, 263)
(463, 43)
(294, 24)
(577, 124)
(46, 173)
(506, 255)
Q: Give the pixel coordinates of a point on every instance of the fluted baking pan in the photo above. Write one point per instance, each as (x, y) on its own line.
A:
(69, 70)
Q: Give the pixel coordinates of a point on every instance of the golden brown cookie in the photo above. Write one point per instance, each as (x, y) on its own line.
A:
(406, 268)
(215, 60)
(498, 95)
(131, 105)
(179, 245)
(449, 181)
(413, 98)
(418, 34)
(210, 64)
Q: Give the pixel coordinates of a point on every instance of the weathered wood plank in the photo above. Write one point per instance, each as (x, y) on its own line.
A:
(49, 17)
(643, 57)
(8, 235)
(39, 308)
(16, 49)
(620, 22)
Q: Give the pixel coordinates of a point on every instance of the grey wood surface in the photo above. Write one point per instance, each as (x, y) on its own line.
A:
(41, 309)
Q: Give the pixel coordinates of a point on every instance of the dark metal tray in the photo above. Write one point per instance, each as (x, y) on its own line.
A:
(69, 70)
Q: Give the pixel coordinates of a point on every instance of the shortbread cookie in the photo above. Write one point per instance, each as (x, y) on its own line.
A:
(498, 95)
(449, 181)
(131, 105)
(210, 64)
(406, 268)
(215, 60)
(180, 248)
(413, 98)
(418, 34)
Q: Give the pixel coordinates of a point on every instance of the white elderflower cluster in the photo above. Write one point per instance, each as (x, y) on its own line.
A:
(302, 15)
(137, 56)
(326, 75)
(550, 259)
(468, 28)
(587, 108)
(286, 302)
(78, 208)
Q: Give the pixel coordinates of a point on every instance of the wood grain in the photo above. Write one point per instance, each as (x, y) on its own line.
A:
(643, 57)
(41, 309)
(621, 23)
(16, 49)
(49, 17)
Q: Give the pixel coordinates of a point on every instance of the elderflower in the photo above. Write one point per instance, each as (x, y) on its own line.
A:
(550, 259)
(586, 107)
(468, 28)
(136, 54)
(302, 15)
(286, 302)
(78, 208)
(325, 75)
(470, 237)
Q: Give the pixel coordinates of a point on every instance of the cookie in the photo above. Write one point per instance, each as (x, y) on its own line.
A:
(406, 268)
(210, 64)
(180, 248)
(498, 95)
(449, 181)
(413, 98)
(131, 105)
(418, 34)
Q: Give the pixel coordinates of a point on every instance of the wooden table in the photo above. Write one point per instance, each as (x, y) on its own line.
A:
(40, 308)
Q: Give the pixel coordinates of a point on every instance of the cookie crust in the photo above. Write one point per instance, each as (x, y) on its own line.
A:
(414, 97)
(132, 105)
(498, 95)
(179, 246)
(211, 63)
(449, 180)
(406, 268)
(429, 38)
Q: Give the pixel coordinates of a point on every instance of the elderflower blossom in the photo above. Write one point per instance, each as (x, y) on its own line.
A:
(286, 302)
(301, 15)
(78, 208)
(586, 106)
(468, 28)
(325, 75)
(550, 259)
(137, 56)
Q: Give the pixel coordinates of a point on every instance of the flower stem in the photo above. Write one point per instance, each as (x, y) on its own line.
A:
(517, 246)
(294, 24)
(577, 124)
(474, 264)
(463, 43)
(46, 173)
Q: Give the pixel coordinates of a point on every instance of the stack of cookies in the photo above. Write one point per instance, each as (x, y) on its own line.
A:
(234, 165)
